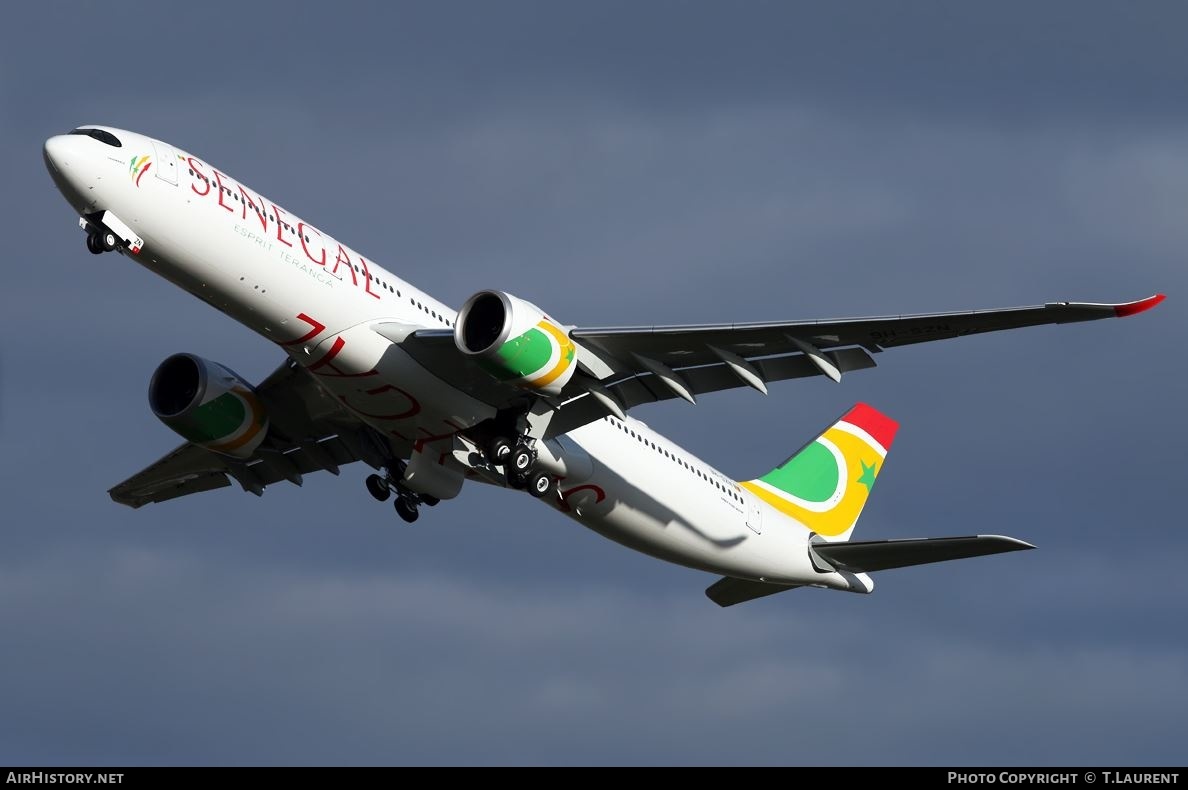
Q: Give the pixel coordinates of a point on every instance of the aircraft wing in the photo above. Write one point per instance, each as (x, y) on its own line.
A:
(308, 432)
(683, 346)
(623, 367)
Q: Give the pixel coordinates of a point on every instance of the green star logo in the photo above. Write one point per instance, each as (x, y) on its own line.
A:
(868, 476)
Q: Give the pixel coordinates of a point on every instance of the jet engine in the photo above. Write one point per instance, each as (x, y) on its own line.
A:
(515, 342)
(208, 405)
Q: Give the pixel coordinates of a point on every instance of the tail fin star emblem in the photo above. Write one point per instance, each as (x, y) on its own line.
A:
(868, 476)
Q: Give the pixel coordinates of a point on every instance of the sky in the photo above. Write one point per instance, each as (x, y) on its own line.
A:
(618, 163)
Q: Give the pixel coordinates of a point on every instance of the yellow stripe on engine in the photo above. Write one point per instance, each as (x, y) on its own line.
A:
(568, 354)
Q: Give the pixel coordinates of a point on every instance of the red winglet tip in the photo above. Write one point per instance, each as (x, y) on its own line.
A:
(881, 427)
(1141, 306)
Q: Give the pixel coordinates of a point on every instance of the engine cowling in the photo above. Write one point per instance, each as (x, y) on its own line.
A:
(516, 342)
(208, 405)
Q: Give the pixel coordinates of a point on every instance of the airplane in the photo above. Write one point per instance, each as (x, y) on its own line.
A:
(497, 392)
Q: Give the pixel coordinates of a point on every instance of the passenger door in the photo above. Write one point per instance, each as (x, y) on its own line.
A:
(166, 163)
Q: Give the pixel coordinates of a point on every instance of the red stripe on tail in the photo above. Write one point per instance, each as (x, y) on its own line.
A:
(877, 424)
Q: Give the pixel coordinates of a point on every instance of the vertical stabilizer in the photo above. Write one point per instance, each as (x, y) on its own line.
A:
(825, 485)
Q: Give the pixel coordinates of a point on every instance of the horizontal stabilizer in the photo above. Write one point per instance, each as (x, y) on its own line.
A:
(728, 591)
(881, 555)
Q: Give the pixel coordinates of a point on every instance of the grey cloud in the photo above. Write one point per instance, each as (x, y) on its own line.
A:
(565, 674)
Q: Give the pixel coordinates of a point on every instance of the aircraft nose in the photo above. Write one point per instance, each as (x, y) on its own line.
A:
(56, 153)
(65, 161)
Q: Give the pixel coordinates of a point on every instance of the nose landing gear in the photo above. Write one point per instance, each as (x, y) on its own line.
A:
(99, 242)
(106, 232)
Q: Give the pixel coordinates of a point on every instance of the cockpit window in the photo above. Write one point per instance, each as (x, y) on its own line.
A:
(101, 136)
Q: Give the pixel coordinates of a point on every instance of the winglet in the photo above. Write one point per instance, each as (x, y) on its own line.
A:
(1141, 306)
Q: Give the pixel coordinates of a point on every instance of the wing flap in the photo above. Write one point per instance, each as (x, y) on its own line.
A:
(188, 469)
(637, 390)
(881, 555)
(162, 492)
(714, 378)
(327, 455)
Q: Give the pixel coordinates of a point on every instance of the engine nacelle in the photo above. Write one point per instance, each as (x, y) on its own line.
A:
(516, 342)
(208, 405)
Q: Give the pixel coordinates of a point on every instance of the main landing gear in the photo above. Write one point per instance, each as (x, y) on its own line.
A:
(407, 502)
(101, 241)
(519, 466)
(407, 509)
(518, 458)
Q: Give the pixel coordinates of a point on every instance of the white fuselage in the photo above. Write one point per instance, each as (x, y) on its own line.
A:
(317, 299)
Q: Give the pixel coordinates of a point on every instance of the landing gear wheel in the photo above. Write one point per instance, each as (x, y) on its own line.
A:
(108, 240)
(95, 244)
(407, 509)
(377, 488)
(540, 484)
(499, 449)
(522, 460)
(431, 501)
(514, 478)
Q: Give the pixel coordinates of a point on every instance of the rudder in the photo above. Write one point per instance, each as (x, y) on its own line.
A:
(825, 485)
